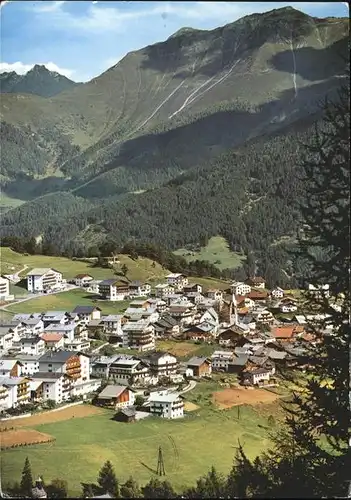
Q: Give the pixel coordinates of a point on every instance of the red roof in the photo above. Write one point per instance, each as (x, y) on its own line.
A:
(52, 337)
(283, 332)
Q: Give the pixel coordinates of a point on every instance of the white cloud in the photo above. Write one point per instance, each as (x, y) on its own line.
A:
(22, 68)
(102, 18)
(47, 6)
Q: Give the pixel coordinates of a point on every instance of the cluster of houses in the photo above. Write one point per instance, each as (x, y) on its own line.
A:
(49, 356)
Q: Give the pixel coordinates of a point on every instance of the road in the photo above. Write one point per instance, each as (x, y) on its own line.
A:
(97, 349)
(33, 296)
(190, 387)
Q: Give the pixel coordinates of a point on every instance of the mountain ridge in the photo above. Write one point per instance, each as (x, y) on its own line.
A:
(159, 115)
(38, 81)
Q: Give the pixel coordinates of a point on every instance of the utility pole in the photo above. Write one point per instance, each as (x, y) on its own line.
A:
(160, 463)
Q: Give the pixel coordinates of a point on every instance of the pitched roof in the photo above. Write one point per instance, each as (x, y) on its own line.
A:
(57, 357)
(239, 360)
(128, 412)
(283, 332)
(47, 376)
(85, 309)
(51, 337)
(112, 391)
(79, 276)
(8, 364)
(197, 361)
(40, 271)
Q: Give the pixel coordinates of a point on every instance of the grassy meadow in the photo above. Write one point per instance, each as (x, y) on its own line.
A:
(66, 301)
(216, 251)
(204, 437)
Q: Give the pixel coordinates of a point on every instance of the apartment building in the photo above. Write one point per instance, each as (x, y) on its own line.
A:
(113, 289)
(43, 279)
(5, 290)
(139, 335)
(167, 405)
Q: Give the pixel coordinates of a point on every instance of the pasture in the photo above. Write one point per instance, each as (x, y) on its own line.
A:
(66, 301)
(139, 269)
(216, 251)
(185, 349)
(205, 436)
(239, 396)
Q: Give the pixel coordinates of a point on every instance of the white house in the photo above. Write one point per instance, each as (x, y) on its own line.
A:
(319, 290)
(177, 280)
(34, 326)
(52, 386)
(169, 405)
(112, 324)
(221, 359)
(239, 288)
(162, 363)
(215, 294)
(163, 290)
(258, 376)
(83, 280)
(53, 341)
(42, 279)
(139, 289)
(32, 345)
(114, 290)
(10, 368)
(287, 308)
(139, 335)
(5, 290)
(30, 363)
(18, 391)
(87, 313)
(130, 370)
(67, 330)
(277, 293)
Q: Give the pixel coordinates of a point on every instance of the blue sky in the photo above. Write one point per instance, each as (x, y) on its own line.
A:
(83, 39)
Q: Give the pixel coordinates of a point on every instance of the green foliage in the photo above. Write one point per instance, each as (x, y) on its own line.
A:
(57, 488)
(26, 484)
(158, 489)
(130, 489)
(310, 454)
(107, 479)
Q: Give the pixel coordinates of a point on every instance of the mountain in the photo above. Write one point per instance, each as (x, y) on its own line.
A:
(39, 81)
(172, 133)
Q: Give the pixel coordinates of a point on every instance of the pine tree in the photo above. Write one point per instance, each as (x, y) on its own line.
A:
(27, 479)
(130, 489)
(158, 489)
(310, 455)
(107, 480)
(57, 488)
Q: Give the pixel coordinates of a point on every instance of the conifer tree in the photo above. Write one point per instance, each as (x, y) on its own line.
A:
(158, 489)
(107, 479)
(310, 455)
(130, 489)
(27, 479)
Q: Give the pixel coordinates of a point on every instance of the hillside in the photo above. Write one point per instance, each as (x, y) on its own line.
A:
(194, 137)
(39, 81)
(245, 76)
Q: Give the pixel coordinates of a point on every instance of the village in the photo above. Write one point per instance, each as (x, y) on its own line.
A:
(50, 358)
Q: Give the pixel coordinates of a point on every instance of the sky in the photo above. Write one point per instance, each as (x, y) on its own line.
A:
(83, 39)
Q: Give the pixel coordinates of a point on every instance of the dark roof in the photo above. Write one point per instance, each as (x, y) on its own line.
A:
(128, 412)
(85, 309)
(197, 361)
(109, 282)
(239, 360)
(57, 357)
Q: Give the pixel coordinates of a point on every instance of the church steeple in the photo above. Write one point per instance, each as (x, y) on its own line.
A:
(38, 490)
(234, 308)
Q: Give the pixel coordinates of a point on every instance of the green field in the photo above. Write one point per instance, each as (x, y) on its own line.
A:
(216, 251)
(67, 301)
(205, 437)
(6, 202)
(140, 269)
